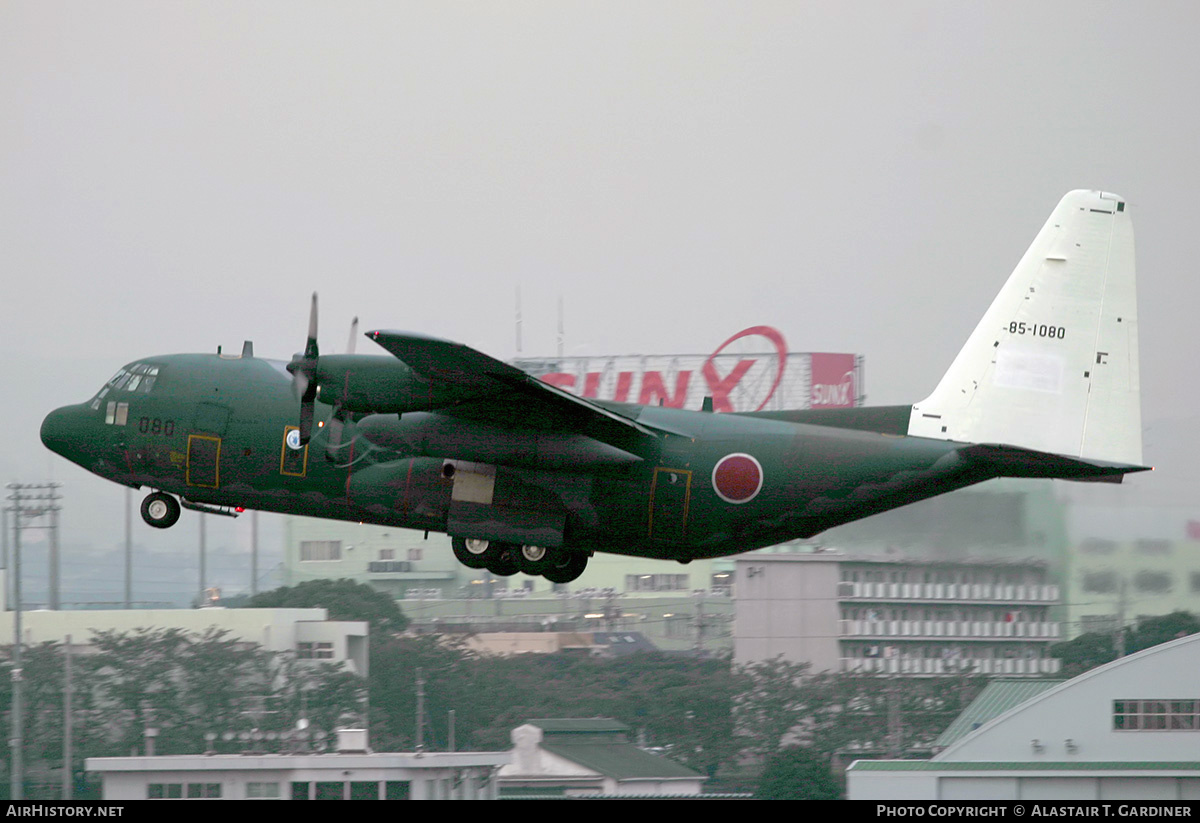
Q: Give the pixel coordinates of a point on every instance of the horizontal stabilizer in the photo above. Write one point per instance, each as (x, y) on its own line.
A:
(1012, 461)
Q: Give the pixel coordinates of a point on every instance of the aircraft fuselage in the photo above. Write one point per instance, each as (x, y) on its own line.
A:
(215, 431)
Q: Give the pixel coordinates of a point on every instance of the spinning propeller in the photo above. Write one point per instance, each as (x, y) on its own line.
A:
(304, 369)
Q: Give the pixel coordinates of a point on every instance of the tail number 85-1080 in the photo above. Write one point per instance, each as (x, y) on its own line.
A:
(1033, 330)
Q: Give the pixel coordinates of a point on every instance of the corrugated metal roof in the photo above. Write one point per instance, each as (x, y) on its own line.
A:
(622, 761)
(1023, 766)
(579, 724)
(997, 697)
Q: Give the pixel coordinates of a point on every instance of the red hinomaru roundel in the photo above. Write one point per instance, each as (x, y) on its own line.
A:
(737, 478)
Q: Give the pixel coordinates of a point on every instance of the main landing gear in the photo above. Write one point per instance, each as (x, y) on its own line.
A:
(505, 559)
(160, 510)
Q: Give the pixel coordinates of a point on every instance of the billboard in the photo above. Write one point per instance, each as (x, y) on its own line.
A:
(751, 371)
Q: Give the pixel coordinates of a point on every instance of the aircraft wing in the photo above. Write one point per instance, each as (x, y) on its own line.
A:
(504, 392)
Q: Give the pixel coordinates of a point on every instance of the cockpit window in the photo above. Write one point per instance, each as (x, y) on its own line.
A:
(138, 377)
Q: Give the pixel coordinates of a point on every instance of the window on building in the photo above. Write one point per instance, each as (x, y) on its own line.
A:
(1099, 582)
(1097, 545)
(1153, 582)
(1158, 547)
(203, 790)
(656, 582)
(313, 550)
(164, 791)
(328, 790)
(364, 790)
(1156, 715)
(263, 791)
(414, 554)
(387, 554)
(397, 790)
(314, 651)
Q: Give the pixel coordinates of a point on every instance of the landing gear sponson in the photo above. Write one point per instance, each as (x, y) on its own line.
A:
(504, 559)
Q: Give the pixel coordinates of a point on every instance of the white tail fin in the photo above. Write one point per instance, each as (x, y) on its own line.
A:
(1053, 365)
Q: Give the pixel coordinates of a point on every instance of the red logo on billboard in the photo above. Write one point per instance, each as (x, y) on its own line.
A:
(832, 381)
(751, 371)
(722, 386)
(737, 478)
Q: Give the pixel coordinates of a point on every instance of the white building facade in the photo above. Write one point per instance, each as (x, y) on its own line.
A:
(895, 615)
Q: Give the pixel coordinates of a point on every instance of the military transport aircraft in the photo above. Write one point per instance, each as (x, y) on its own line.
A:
(524, 476)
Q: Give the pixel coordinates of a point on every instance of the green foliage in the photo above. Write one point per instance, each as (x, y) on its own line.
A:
(682, 705)
(1084, 652)
(183, 685)
(344, 599)
(798, 773)
(1096, 648)
(1155, 630)
(781, 705)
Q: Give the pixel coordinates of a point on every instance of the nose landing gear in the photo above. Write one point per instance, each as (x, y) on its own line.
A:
(160, 510)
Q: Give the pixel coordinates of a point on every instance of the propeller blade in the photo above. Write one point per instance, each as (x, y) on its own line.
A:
(304, 373)
(353, 336)
(310, 349)
(306, 419)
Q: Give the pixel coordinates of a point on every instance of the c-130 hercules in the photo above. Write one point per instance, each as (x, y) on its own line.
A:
(526, 477)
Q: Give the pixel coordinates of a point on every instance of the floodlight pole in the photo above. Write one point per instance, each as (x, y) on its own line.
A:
(16, 777)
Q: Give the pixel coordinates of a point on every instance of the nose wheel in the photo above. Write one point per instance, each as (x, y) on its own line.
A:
(160, 510)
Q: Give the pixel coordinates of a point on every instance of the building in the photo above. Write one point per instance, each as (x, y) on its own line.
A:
(675, 606)
(592, 756)
(1130, 562)
(1128, 730)
(353, 773)
(896, 615)
(306, 632)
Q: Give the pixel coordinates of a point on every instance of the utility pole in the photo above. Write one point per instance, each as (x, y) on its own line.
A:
(420, 711)
(203, 570)
(254, 552)
(1119, 640)
(26, 500)
(68, 732)
(698, 646)
(128, 548)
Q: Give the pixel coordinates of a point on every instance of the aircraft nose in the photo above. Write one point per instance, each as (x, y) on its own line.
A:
(60, 428)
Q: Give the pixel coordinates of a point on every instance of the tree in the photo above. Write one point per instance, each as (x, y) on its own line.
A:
(798, 773)
(1155, 630)
(344, 599)
(1097, 648)
(1084, 652)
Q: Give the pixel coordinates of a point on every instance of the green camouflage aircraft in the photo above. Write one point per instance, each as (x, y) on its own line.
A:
(526, 477)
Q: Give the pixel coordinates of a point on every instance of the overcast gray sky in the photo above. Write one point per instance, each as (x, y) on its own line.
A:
(863, 176)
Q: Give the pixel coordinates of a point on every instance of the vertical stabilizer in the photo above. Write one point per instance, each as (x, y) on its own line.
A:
(1053, 365)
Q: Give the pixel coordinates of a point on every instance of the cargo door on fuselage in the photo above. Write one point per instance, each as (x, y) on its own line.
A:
(204, 461)
(204, 446)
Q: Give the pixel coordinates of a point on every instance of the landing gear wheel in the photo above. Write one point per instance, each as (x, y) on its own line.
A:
(472, 553)
(504, 562)
(160, 510)
(534, 560)
(567, 566)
